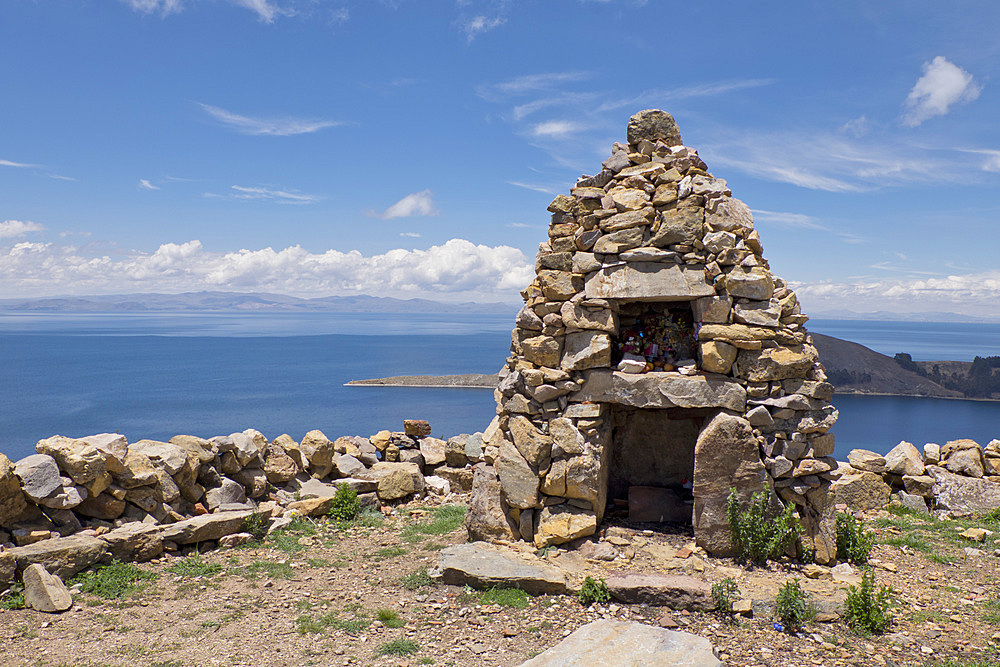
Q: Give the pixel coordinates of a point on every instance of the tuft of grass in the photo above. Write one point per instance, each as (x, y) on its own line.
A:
(367, 518)
(505, 597)
(399, 648)
(991, 614)
(317, 562)
(389, 618)
(415, 580)
(444, 519)
(391, 552)
(194, 566)
(286, 541)
(13, 598)
(272, 569)
(114, 581)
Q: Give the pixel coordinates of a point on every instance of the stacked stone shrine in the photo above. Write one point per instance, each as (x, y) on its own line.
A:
(657, 363)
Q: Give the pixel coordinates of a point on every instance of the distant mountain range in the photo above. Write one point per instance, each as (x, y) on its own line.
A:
(887, 316)
(246, 302)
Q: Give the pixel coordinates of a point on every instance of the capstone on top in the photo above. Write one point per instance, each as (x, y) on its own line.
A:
(653, 125)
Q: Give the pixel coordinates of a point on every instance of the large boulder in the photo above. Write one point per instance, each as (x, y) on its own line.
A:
(62, 556)
(904, 459)
(861, 491)
(653, 125)
(962, 495)
(609, 642)
(44, 591)
(482, 566)
(319, 451)
(39, 475)
(963, 457)
(726, 456)
(397, 480)
(172, 458)
(486, 519)
(13, 506)
(81, 461)
(279, 467)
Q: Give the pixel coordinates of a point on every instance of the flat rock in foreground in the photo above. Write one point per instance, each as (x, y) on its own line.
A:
(625, 644)
(206, 527)
(482, 565)
(676, 591)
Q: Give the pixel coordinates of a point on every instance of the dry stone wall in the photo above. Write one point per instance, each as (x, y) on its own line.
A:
(651, 231)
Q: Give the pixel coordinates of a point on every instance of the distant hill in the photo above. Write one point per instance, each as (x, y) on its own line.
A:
(855, 369)
(247, 302)
(887, 316)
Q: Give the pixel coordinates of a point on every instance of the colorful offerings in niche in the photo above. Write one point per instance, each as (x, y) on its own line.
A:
(664, 341)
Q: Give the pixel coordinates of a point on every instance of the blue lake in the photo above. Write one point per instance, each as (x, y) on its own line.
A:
(158, 375)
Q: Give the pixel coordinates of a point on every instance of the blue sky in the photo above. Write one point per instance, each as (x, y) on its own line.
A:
(410, 148)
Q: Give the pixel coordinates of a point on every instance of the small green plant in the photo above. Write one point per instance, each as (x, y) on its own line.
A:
(866, 610)
(256, 524)
(113, 581)
(445, 519)
(724, 593)
(792, 607)
(593, 590)
(854, 544)
(756, 537)
(415, 580)
(194, 566)
(505, 597)
(13, 598)
(389, 618)
(399, 647)
(391, 552)
(345, 505)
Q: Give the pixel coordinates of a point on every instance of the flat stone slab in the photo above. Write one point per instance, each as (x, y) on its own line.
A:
(206, 527)
(62, 556)
(625, 644)
(483, 565)
(963, 495)
(662, 390)
(662, 590)
(649, 281)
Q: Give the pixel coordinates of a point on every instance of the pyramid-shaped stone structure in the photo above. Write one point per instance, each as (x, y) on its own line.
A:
(656, 364)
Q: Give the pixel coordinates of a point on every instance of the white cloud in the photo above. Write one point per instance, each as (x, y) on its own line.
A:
(971, 294)
(19, 165)
(665, 96)
(417, 203)
(274, 127)
(942, 85)
(788, 219)
(146, 185)
(281, 196)
(10, 229)
(163, 7)
(266, 11)
(457, 268)
(531, 186)
(857, 127)
(412, 235)
(992, 160)
(477, 25)
(557, 128)
(533, 83)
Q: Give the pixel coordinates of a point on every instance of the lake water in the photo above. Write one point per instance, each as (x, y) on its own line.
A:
(158, 375)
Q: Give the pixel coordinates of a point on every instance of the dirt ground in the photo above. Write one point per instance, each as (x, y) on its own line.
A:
(323, 594)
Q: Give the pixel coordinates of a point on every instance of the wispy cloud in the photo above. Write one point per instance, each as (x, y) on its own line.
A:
(146, 185)
(557, 128)
(266, 11)
(529, 83)
(799, 220)
(942, 85)
(411, 235)
(457, 269)
(531, 186)
(991, 162)
(163, 7)
(275, 127)
(10, 229)
(477, 25)
(414, 204)
(280, 196)
(663, 97)
(17, 165)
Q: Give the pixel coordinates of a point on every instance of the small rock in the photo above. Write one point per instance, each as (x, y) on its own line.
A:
(44, 591)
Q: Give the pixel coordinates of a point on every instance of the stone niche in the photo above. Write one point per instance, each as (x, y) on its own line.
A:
(657, 363)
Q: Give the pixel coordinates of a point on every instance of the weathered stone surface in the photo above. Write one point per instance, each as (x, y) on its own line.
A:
(204, 450)
(717, 356)
(731, 215)
(753, 283)
(913, 502)
(482, 565)
(586, 349)
(206, 527)
(679, 225)
(653, 125)
(563, 523)
(862, 491)
(712, 309)
(134, 542)
(454, 453)
(566, 438)
(103, 506)
(776, 363)
(904, 459)
(137, 470)
(397, 480)
(418, 427)
(623, 643)
(649, 281)
(758, 313)
(254, 480)
(433, 450)
(62, 556)
(319, 451)
(662, 590)
(44, 591)
(559, 285)
(726, 456)
(82, 462)
(279, 467)
(518, 478)
(345, 465)
(963, 495)
(919, 485)
(533, 445)
(619, 241)
(542, 350)
(486, 519)
(12, 502)
(744, 332)
(967, 461)
(171, 458)
(600, 319)
(866, 460)
(231, 491)
(662, 390)
(39, 475)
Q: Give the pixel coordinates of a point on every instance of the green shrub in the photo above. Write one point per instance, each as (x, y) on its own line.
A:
(755, 537)
(389, 618)
(256, 524)
(723, 593)
(854, 544)
(505, 597)
(791, 606)
(593, 590)
(415, 580)
(13, 598)
(345, 505)
(399, 647)
(866, 610)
